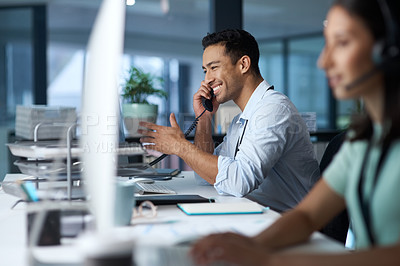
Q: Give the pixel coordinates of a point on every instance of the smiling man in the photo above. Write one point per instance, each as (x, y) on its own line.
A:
(266, 155)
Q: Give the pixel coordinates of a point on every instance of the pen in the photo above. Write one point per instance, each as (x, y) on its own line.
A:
(29, 189)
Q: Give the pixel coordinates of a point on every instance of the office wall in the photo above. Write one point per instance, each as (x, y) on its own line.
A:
(186, 51)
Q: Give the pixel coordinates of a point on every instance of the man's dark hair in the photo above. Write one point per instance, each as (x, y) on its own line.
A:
(237, 44)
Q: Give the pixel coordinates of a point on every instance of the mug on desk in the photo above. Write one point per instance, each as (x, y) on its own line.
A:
(124, 203)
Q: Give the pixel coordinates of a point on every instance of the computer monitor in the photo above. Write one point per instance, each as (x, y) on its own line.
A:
(100, 110)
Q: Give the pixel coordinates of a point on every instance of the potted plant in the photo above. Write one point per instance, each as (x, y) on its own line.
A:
(137, 88)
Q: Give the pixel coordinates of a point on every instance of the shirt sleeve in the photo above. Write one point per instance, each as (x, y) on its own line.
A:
(220, 149)
(336, 174)
(262, 146)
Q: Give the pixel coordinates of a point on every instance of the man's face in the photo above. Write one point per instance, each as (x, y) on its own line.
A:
(221, 75)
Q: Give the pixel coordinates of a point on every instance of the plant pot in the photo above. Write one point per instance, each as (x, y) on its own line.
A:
(133, 113)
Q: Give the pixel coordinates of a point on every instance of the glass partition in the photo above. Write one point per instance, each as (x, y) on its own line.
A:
(344, 110)
(307, 86)
(271, 64)
(16, 75)
(65, 72)
(16, 61)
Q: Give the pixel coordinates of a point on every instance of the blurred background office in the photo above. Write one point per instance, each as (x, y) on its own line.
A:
(43, 49)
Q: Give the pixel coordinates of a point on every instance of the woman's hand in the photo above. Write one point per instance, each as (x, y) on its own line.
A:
(229, 247)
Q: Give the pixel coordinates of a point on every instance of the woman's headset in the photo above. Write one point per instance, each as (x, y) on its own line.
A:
(387, 50)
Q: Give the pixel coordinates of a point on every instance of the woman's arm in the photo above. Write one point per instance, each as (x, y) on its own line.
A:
(295, 226)
(320, 205)
(317, 209)
(388, 256)
(241, 250)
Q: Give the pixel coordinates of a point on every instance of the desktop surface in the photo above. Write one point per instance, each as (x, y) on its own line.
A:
(153, 236)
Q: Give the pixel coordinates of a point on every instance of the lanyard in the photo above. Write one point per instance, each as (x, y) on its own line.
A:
(240, 138)
(366, 203)
(244, 129)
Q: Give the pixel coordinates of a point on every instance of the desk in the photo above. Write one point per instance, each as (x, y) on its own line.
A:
(170, 226)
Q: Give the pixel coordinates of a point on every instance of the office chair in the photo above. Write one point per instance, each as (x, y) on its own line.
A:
(337, 228)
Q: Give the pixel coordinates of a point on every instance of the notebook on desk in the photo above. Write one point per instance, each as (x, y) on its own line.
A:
(220, 208)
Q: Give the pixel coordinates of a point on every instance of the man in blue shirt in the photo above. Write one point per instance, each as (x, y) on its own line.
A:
(266, 155)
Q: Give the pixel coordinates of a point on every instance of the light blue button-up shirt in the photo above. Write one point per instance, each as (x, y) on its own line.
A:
(267, 155)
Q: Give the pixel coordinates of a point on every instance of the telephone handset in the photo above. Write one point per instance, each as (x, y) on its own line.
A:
(208, 106)
(207, 103)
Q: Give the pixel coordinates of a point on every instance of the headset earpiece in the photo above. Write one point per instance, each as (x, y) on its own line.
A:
(386, 51)
(378, 52)
(386, 57)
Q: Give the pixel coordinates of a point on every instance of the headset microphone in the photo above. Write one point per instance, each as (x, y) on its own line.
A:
(361, 79)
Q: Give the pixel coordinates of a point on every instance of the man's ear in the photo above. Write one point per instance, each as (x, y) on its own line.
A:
(244, 64)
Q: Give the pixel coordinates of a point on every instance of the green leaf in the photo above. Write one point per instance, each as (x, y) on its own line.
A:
(140, 85)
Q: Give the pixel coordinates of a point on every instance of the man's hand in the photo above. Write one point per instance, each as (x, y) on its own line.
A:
(204, 91)
(229, 247)
(171, 140)
(168, 140)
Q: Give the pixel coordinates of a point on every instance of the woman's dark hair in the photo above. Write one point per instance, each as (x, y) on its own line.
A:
(370, 12)
(237, 44)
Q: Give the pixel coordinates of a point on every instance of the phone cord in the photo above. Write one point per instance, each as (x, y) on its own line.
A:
(188, 131)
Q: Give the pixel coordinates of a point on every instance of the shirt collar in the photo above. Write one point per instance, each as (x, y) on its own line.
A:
(255, 97)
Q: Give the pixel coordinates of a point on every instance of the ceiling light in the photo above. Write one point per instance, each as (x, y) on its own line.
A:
(164, 6)
(130, 2)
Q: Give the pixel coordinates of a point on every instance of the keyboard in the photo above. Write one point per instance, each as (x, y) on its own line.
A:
(153, 188)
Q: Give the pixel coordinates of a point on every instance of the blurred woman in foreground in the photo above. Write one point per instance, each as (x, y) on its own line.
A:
(361, 60)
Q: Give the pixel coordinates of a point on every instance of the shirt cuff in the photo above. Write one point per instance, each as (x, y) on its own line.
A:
(220, 180)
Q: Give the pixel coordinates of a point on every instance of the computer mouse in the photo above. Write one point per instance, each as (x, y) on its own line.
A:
(142, 180)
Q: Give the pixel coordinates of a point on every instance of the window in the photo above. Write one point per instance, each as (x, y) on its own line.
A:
(65, 72)
(16, 74)
(271, 64)
(16, 82)
(290, 64)
(66, 77)
(344, 109)
(307, 86)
